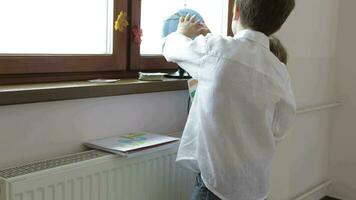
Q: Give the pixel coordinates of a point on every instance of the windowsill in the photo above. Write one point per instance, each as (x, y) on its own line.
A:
(33, 93)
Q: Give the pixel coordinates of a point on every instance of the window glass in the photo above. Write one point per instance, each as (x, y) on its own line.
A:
(154, 12)
(56, 26)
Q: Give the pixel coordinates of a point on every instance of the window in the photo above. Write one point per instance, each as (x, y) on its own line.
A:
(54, 27)
(57, 40)
(147, 55)
(152, 22)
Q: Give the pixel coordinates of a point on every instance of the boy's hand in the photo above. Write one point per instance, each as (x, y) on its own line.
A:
(204, 30)
(191, 28)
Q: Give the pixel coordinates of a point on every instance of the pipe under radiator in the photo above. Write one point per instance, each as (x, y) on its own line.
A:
(95, 175)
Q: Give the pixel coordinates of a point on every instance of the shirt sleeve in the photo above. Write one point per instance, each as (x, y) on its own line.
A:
(285, 113)
(186, 52)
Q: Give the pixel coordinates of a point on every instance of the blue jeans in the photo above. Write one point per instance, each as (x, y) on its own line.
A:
(201, 192)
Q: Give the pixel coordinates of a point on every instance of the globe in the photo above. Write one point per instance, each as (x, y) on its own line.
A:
(171, 23)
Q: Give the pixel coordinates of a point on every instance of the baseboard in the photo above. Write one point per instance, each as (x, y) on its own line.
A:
(316, 193)
(329, 198)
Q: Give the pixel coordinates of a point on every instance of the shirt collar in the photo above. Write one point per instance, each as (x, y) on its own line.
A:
(255, 36)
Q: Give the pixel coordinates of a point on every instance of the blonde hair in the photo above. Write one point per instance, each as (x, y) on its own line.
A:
(278, 49)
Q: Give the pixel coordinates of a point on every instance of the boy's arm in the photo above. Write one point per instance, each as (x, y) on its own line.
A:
(285, 113)
(186, 52)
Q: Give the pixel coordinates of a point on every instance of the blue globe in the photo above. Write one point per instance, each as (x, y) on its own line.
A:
(171, 23)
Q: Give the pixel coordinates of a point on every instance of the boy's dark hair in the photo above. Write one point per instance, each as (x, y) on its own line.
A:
(278, 49)
(266, 16)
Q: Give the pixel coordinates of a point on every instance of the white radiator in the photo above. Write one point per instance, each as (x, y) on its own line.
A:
(95, 175)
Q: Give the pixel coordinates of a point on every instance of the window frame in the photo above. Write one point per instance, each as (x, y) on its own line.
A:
(138, 62)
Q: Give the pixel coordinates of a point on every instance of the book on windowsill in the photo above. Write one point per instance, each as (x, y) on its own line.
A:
(134, 144)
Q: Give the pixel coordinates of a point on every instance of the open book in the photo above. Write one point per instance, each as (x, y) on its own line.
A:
(134, 144)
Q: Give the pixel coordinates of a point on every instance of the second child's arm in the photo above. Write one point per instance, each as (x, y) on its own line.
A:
(285, 113)
(180, 48)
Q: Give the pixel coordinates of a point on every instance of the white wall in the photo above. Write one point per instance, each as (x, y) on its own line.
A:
(37, 131)
(343, 142)
(46, 129)
(310, 36)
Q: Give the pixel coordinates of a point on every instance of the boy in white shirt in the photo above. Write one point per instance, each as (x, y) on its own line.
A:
(243, 105)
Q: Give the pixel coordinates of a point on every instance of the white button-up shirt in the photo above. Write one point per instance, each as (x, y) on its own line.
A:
(244, 104)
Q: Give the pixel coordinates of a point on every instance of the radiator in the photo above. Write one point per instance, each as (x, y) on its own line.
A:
(96, 175)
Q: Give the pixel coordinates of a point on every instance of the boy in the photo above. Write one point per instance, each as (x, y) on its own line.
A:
(243, 104)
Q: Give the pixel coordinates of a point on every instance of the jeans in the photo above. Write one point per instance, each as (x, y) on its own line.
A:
(201, 192)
